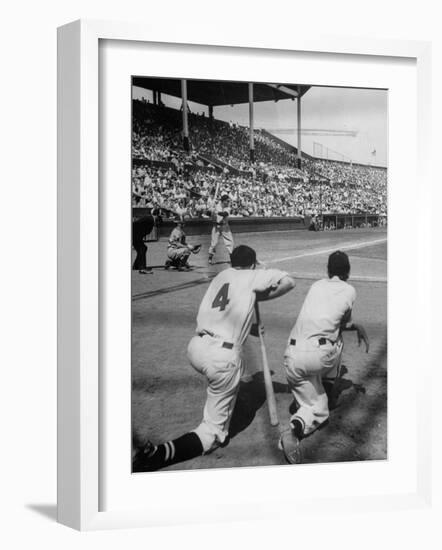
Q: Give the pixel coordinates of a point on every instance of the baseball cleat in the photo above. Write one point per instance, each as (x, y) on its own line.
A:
(211, 262)
(298, 428)
(141, 460)
(148, 271)
(289, 444)
(167, 264)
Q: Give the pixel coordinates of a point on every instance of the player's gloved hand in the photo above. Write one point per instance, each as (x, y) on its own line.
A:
(195, 248)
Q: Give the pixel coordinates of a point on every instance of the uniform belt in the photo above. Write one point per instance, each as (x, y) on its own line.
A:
(321, 341)
(227, 345)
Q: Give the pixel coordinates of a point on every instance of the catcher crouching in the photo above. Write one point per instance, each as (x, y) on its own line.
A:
(178, 251)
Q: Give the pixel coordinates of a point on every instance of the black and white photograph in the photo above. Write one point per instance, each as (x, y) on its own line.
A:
(259, 274)
(224, 330)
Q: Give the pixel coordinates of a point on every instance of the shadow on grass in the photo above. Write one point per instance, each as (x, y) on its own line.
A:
(342, 439)
(251, 397)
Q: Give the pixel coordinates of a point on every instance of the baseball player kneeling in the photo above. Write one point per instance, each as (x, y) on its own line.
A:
(315, 344)
(223, 324)
(178, 251)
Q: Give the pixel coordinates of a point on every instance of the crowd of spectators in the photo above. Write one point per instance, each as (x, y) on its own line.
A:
(157, 136)
(350, 187)
(185, 182)
(152, 137)
(192, 194)
(230, 143)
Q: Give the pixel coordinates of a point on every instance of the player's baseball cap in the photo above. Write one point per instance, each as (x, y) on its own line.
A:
(243, 256)
(339, 265)
(225, 198)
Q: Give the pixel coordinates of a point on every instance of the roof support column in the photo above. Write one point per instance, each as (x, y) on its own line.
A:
(298, 104)
(211, 112)
(185, 117)
(251, 122)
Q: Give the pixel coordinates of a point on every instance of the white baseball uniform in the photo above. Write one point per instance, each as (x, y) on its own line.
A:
(223, 324)
(315, 346)
(177, 250)
(221, 228)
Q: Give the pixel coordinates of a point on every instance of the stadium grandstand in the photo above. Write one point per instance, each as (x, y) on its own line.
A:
(179, 158)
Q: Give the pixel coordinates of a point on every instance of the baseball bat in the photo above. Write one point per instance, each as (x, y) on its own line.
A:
(270, 394)
(216, 191)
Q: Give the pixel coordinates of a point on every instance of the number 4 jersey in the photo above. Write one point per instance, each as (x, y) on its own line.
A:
(227, 307)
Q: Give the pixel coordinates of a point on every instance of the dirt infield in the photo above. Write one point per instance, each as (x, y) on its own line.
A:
(168, 395)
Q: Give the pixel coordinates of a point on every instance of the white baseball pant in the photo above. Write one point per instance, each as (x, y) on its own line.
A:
(223, 369)
(306, 363)
(227, 237)
(178, 254)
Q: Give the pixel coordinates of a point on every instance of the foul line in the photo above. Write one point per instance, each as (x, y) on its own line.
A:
(353, 278)
(210, 275)
(348, 246)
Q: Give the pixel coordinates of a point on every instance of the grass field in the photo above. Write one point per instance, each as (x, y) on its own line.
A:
(168, 395)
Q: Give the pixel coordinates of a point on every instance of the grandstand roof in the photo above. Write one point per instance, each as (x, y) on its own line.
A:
(212, 92)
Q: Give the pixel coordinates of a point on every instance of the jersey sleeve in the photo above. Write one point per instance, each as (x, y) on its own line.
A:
(347, 319)
(267, 279)
(351, 297)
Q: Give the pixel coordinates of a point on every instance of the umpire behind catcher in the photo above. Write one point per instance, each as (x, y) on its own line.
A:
(141, 227)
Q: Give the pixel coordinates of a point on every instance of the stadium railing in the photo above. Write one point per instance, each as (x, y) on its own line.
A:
(343, 221)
